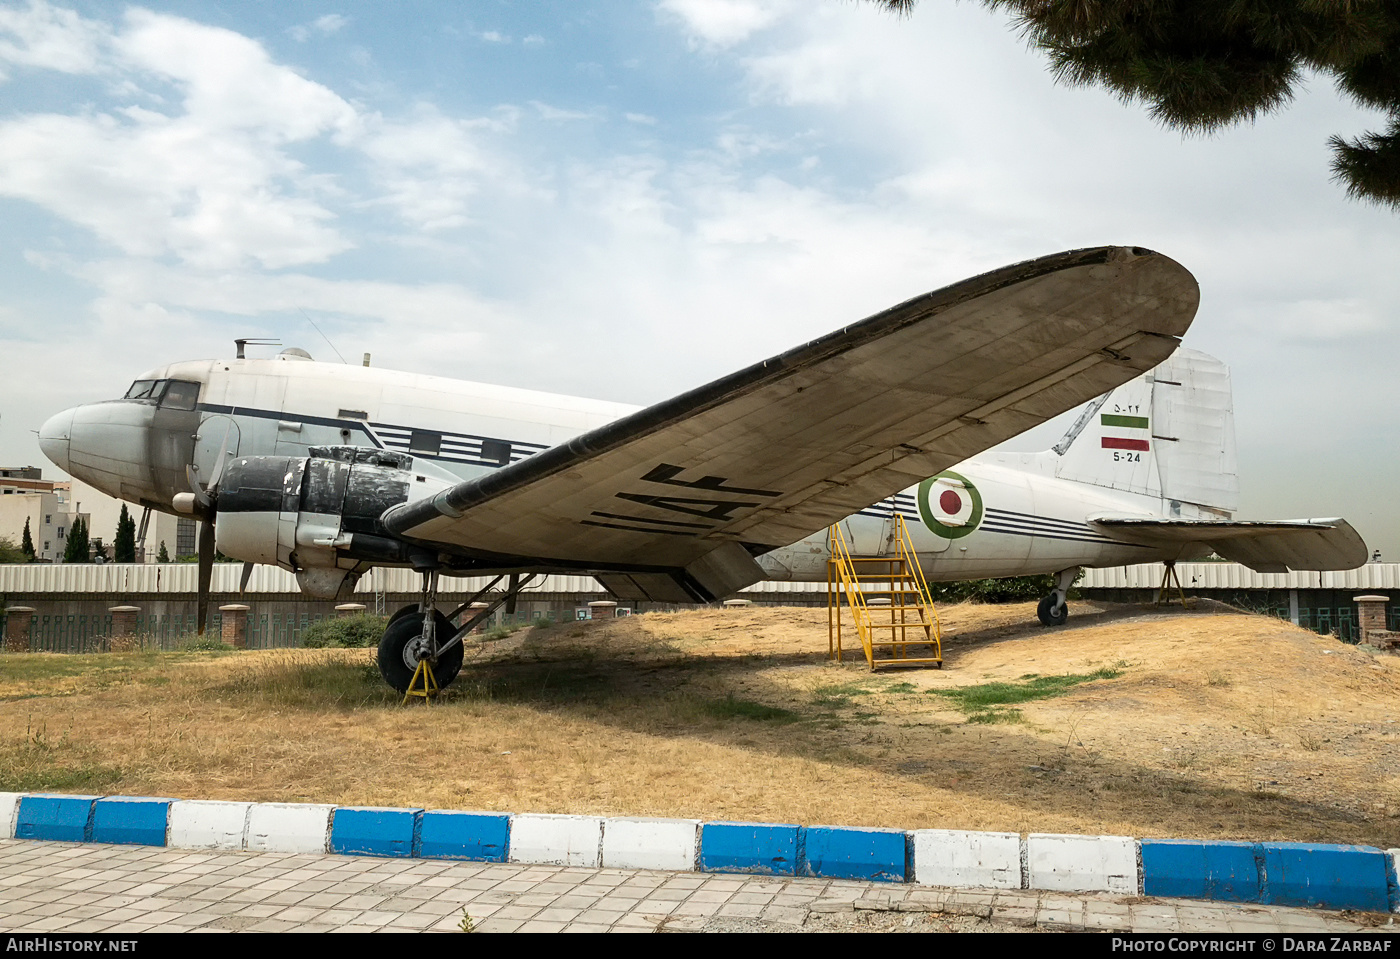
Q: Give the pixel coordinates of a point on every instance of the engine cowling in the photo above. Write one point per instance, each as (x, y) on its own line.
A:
(318, 515)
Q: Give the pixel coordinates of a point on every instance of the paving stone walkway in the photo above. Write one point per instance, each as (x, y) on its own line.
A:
(89, 888)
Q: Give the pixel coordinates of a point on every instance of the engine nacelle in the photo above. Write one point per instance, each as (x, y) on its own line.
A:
(319, 514)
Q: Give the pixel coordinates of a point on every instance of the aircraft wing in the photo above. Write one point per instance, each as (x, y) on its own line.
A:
(680, 496)
(1276, 547)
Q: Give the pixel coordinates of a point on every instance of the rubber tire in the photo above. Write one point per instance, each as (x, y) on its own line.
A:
(397, 636)
(1049, 616)
(400, 613)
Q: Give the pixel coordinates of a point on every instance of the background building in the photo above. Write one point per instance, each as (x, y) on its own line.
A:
(51, 506)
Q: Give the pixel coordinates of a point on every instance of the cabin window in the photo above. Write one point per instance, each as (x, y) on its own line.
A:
(425, 443)
(354, 415)
(180, 395)
(495, 451)
(144, 389)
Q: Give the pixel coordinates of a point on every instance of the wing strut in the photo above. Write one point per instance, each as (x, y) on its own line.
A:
(517, 584)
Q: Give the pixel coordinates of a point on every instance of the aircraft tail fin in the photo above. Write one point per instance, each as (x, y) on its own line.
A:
(1169, 433)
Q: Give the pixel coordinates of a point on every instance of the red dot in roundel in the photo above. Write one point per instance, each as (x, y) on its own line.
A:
(950, 502)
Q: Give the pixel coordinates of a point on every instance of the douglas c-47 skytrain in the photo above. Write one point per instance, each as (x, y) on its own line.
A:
(328, 470)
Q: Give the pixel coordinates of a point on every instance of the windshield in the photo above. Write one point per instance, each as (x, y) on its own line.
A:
(172, 394)
(180, 395)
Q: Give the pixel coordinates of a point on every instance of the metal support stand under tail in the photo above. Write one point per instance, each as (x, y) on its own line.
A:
(1054, 609)
(1164, 597)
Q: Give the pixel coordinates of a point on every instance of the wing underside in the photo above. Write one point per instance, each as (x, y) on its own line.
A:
(687, 491)
(1273, 547)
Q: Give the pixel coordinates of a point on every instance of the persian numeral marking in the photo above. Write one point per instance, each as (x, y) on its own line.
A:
(638, 529)
(666, 473)
(661, 522)
(716, 509)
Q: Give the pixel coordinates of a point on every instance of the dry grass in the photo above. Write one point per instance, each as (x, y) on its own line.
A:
(735, 714)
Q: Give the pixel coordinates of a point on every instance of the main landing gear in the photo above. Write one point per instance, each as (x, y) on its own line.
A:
(1054, 609)
(413, 637)
(405, 643)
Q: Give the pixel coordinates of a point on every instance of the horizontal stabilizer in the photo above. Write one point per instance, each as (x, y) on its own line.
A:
(1272, 547)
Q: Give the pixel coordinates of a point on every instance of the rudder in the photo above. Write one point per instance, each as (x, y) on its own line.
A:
(1169, 434)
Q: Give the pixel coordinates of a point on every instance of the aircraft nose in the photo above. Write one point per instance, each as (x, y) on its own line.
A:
(103, 444)
(54, 437)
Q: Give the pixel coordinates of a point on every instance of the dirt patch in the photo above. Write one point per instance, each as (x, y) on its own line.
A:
(1128, 721)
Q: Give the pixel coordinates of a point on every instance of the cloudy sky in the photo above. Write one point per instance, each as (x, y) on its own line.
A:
(626, 199)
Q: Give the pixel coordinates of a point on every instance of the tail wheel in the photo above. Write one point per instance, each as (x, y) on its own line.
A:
(1050, 614)
(400, 649)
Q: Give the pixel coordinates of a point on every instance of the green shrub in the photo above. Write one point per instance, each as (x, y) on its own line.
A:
(1012, 589)
(344, 632)
(205, 644)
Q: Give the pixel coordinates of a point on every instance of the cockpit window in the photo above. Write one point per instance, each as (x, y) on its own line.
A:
(143, 390)
(180, 395)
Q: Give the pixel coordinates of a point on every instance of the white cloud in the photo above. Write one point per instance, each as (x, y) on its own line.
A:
(740, 143)
(555, 114)
(131, 286)
(533, 40)
(229, 81)
(210, 182)
(326, 25)
(641, 118)
(1313, 320)
(154, 185)
(493, 36)
(431, 166)
(51, 38)
(724, 23)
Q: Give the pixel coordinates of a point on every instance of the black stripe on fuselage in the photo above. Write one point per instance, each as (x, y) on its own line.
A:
(1040, 534)
(394, 442)
(1034, 524)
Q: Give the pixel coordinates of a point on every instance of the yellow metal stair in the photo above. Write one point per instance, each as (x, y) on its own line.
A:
(889, 601)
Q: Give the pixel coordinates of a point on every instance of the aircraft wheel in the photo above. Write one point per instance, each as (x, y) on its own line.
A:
(399, 653)
(400, 613)
(1049, 615)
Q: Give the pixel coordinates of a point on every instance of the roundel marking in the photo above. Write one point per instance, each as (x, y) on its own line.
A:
(949, 505)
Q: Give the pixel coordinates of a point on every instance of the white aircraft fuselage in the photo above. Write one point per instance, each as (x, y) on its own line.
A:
(179, 419)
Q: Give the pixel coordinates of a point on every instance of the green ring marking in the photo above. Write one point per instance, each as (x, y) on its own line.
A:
(937, 528)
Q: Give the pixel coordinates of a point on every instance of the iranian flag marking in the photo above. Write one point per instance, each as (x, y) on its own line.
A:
(1121, 422)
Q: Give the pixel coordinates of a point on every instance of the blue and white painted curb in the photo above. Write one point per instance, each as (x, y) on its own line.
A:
(1280, 873)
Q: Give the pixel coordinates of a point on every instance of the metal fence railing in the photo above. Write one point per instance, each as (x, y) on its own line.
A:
(79, 633)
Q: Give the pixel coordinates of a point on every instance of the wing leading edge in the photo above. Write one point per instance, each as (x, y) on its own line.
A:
(1272, 547)
(687, 491)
